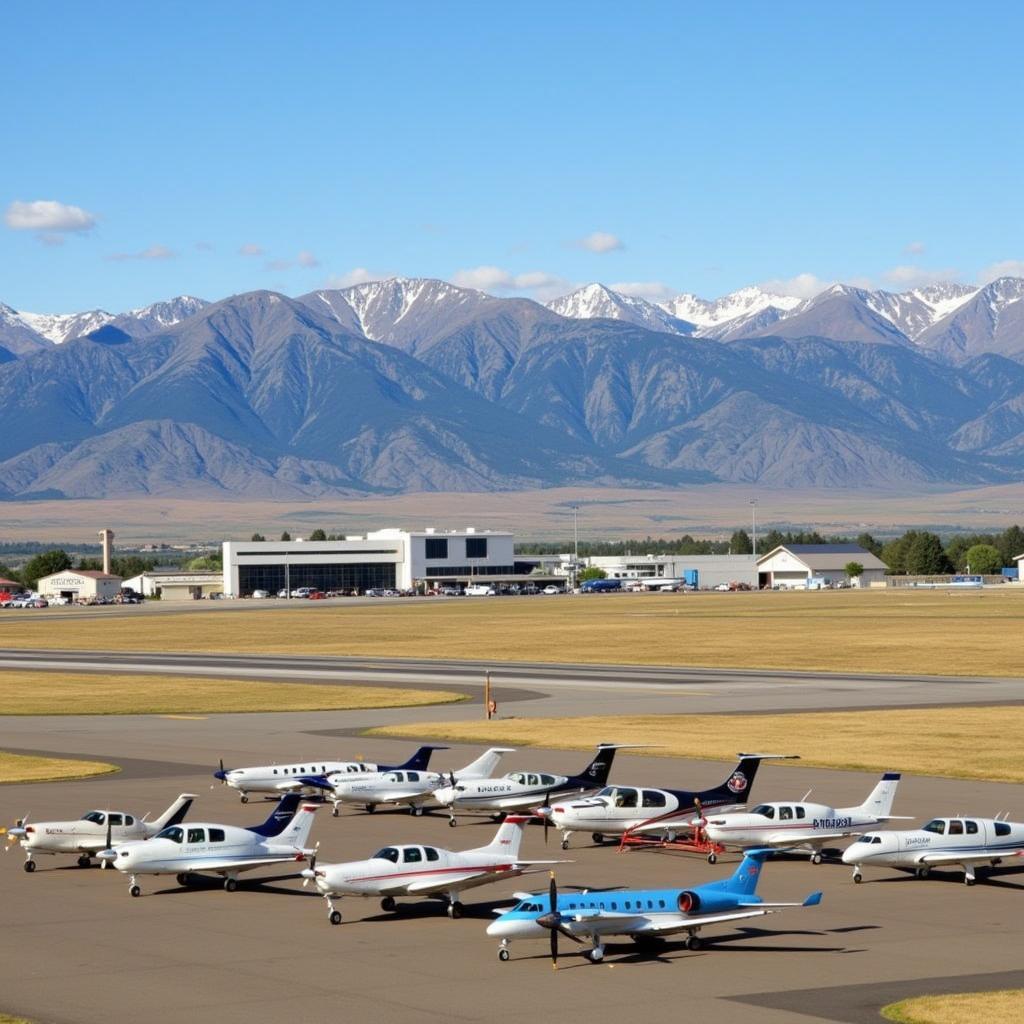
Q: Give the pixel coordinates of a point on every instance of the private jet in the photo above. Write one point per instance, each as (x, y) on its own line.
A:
(224, 850)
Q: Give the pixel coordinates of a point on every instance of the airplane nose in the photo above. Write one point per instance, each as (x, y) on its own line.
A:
(850, 855)
(107, 855)
(499, 929)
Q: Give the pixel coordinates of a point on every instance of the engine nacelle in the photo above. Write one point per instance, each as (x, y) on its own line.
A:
(707, 902)
(688, 902)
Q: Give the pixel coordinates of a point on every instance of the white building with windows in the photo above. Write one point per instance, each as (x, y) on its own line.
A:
(381, 559)
(177, 584)
(704, 571)
(80, 585)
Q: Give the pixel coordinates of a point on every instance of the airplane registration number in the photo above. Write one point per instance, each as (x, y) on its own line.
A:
(832, 822)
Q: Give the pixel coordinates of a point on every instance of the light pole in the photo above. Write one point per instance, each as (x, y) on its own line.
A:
(575, 544)
(753, 535)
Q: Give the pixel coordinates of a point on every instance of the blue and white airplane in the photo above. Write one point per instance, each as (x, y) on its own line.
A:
(645, 915)
(307, 776)
(226, 850)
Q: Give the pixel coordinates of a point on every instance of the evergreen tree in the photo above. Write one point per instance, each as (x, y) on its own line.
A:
(1010, 544)
(740, 543)
(285, 535)
(868, 543)
(318, 534)
(926, 557)
(257, 537)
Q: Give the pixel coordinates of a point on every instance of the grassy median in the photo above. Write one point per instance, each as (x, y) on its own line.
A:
(28, 768)
(884, 631)
(963, 742)
(1003, 1007)
(50, 693)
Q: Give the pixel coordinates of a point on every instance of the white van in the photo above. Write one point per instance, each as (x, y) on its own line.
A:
(481, 590)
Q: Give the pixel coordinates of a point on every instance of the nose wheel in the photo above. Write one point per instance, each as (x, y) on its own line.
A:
(29, 866)
(452, 822)
(857, 877)
(333, 914)
(503, 951)
(244, 798)
(334, 811)
(84, 861)
(134, 889)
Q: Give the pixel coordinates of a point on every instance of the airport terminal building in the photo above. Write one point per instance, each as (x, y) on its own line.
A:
(382, 559)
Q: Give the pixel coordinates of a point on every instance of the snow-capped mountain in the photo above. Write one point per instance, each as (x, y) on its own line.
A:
(915, 311)
(15, 335)
(745, 303)
(990, 320)
(151, 319)
(61, 327)
(594, 301)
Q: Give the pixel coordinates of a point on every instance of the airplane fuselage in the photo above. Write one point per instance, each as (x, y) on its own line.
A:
(784, 825)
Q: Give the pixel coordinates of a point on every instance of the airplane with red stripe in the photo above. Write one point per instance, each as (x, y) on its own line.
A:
(417, 871)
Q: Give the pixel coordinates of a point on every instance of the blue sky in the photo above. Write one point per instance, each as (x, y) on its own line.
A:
(217, 148)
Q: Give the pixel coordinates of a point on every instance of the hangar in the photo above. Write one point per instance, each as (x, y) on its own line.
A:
(806, 566)
(390, 558)
(177, 584)
(80, 585)
(711, 570)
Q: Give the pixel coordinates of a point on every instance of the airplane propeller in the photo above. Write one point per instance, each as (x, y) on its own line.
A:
(104, 861)
(310, 873)
(553, 922)
(700, 820)
(14, 833)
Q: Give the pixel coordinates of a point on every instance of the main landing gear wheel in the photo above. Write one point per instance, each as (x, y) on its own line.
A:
(968, 880)
(923, 871)
(694, 942)
(455, 910)
(597, 838)
(29, 866)
(595, 955)
(182, 879)
(334, 917)
(370, 808)
(135, 891)
(230, 884)
(84, 861)
(415, 811)
(858, 877)
(388, 903)
(244, 798)
(815, 858)
(565, 844)
(452, 823)
(503, 955)
(712, 858)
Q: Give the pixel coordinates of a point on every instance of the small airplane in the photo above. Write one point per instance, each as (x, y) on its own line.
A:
(645, 915)
(620, 809)
(425, 871)
(403, 786)
(519, 791)
(92, 832)
(788, 825)
(295, 778)
(225, 850)
(944, 842)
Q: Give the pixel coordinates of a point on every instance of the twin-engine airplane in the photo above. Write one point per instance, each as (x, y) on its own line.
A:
(645, 915)
(519, 791)
(92, 832)
(619, 809)
(966, 843)
(789, 825)
(401, 786)
(303, 776)
(425, 871)
(225, 850)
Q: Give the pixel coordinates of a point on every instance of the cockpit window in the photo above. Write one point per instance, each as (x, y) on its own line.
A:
(516, 777)
(1002, 829)
(936, 825)
(866, 839)
(412, 855)
(654, 798)
(393, 777)
(388, 853)
(623, 797)
(765, 810)
(175, 834)
(96, 817)
(877, 840)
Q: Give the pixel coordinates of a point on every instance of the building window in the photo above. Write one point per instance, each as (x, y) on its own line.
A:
(352, 576)
(476, 547)
(437, 547)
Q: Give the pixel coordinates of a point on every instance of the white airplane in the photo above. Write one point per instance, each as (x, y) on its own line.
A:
(616, 810)
(786, 825)
(944, 842)
(225, 850)
(519, 791)
(425, 871)
(647, 916)
(401, 786)
(306, 776)
(91, 833)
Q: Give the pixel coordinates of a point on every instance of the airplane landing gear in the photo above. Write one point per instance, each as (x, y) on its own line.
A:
(923, 871)
(455, 909)
(503, 954)
(134, 889)
(416, 811)
(388, 903)
(370, 808)
(452, 822)
(244, 798)
(334, 811)
(230, 884)
(84, 860)
(565, 842)
(182, 879)
(712, 858)
(29, 865)
(597, 838)
(333, 915)
(857, 876)
(596, 955)
(969, 878)
(693, 942)
(816, 857)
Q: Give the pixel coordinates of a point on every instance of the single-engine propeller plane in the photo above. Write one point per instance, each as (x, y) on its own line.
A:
(418, 871)
(645, 915)
(92, 832)
(305, 776)
(225, 850)
(787, 825)
(964, 842)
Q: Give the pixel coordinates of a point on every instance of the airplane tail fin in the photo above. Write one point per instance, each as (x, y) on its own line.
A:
(296, 833)
(745, 878)
(175, 814)
(595, 775)
(483, 767)
(736, 788)
(419, 761)
(879, 802)
(280, 817)
(508, 837)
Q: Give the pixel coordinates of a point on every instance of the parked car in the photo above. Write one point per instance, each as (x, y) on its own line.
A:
(602, 586)
(552, 589)
(261, 595)
(451, 591)
(481, 590)
(316, 595)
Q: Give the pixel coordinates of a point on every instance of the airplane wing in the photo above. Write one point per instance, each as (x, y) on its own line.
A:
(683, 924)
(238, 863)
(967, 858)
(441, 885)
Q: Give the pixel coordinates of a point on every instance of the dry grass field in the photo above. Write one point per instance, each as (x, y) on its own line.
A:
(965, 742)
(883, 631)
(26, 768)
(46, 693)
(1005, 1007)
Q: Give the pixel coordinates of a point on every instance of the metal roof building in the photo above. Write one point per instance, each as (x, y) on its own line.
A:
(811, 565)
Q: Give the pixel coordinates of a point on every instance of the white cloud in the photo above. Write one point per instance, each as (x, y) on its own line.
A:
(47, 215)
(908, 276)
(251, 249)
(307, 259)
(653, 291)
(154, 252)
(803, 286)
(915, 248)
(357, 275)
(539, 283)
(601, 241)
(484, 278)
(1003, 268)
